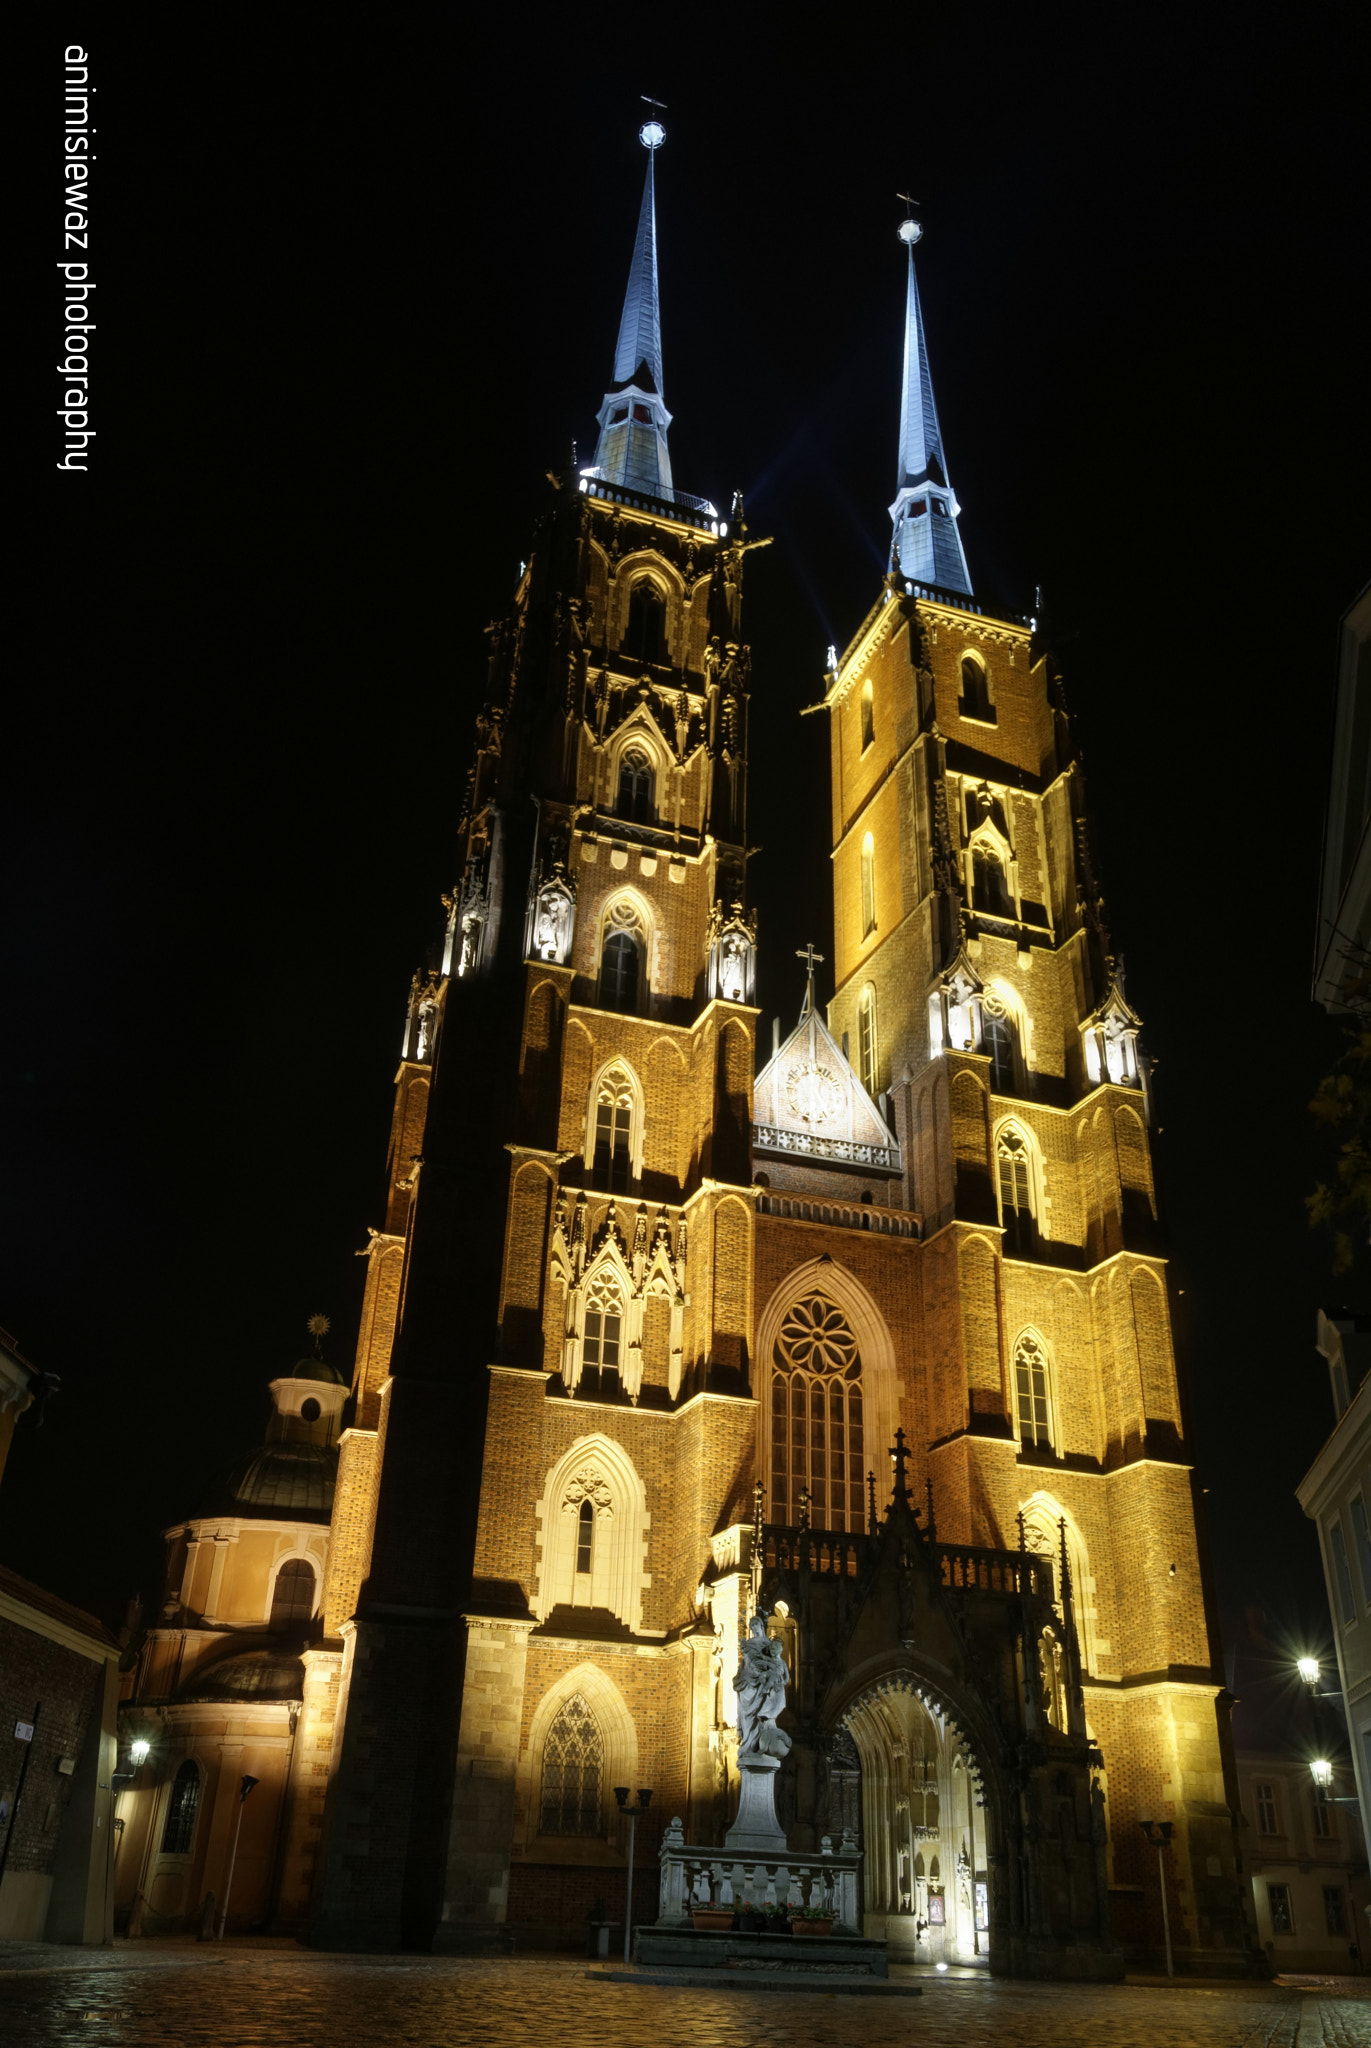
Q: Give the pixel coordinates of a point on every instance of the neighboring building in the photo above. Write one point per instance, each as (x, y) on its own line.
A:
(1336, 1495)
(59, 1688)
(1342, 952)
(230, 1683)
(639, 1338)
(1336, 1491)
(1303, 1843)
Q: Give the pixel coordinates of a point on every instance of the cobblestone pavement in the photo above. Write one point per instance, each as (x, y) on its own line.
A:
(161, 1995)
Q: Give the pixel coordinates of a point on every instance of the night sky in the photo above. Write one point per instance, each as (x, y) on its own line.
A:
(359, 289)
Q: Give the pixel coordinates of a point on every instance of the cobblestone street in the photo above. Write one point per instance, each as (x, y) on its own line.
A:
(280, 1996)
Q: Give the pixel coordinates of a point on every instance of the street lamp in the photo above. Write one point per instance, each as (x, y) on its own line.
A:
(1322, 1772)
(644, 1801)
(138, 1752)
(1164, 1829)
(1308, 1668)
(247, 1784)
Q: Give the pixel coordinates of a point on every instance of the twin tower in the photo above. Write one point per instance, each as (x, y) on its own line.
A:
(644, 1325)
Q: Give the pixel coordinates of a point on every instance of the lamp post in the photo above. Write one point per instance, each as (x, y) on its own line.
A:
(644, 1801)
(247, 1785)
(1162, 1836)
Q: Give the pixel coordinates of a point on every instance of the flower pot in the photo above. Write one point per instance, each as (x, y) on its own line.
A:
(712, 1919)
(811, 1926)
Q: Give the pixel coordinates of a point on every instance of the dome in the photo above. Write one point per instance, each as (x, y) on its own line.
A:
(314, 1369)
(248, 1675)
(292, 1478)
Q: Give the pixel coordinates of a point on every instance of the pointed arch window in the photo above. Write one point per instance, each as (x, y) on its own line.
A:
(292, 1597)
(868, 886)
(999, 1043)
(636, 781)
(613, 1155)
(816, 1417)
(621, 960)
(646, 635)
(1014, 1178)
(975, 699)
(573, 1769)
(604, 1325)
(585, 1536)
(868, 715)
(1032, 1399)
(179, 1830)
(866, 1039)
(990, 885)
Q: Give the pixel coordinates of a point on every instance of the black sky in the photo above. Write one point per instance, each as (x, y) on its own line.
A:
(359, 286)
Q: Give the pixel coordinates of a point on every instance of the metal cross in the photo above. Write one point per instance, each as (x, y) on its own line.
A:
(657, 106)
(910, 203)
(810, 958)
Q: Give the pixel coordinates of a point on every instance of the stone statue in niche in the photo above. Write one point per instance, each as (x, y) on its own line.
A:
(552, 922)
(760, 1684)
(471, 944)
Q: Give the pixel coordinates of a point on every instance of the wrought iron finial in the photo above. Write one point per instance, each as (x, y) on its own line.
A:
(928, 1498)
(871, 1522)
(898, 1457)
(1023, 1530)
(804, 1508)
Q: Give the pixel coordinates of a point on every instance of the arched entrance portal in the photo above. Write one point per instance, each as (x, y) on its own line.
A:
(926, 1875)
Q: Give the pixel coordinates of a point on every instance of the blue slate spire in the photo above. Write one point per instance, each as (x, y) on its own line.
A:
(926, 546)
(633, 419)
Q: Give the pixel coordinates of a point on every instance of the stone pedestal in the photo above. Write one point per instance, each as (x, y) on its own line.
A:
(756, 1831)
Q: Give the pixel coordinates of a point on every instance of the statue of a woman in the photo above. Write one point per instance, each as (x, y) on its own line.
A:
(760, 1684)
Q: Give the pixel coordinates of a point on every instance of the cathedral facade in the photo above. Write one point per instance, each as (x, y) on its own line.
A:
(867, 1330)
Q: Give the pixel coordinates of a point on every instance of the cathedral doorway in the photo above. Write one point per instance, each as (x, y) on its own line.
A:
(926, 1869)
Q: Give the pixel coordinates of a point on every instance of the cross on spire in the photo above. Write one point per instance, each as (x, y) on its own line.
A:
(811, 960)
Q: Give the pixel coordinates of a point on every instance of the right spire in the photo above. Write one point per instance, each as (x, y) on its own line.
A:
(926, 546)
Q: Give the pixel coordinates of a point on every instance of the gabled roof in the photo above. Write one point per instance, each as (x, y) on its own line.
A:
(809, 1103)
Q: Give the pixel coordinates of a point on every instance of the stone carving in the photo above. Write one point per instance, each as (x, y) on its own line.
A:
(588, 1485)
(760, 1684)
(732, 941)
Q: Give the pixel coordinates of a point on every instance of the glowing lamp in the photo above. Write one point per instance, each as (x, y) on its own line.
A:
(138, 1751)
(1308, 1668)
(1321, 1771)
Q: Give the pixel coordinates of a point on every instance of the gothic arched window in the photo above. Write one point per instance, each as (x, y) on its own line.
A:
(868, 715)
(585, 1536)
(1014, 1177)
(975, 698)
(613, 1155)
(866, 1039)
(604, 1323)
(182, 1807)
(635, 799)
(646, 634)
(1032, 1400)
(999, 1043)
(573, 1764)
(868, 885)
(990, 886)
(816, 1417)
(292, 1597)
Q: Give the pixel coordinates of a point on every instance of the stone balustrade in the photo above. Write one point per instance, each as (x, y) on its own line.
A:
(798, 1879)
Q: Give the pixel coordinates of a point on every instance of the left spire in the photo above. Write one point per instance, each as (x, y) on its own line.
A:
(633, 420)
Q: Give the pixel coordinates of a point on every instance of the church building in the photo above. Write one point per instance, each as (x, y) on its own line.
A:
(866, 1329)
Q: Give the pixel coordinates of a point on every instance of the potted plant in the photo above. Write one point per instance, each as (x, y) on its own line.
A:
(812, 1920)
(711, 1919)
(751, 1919)
(776, 1919)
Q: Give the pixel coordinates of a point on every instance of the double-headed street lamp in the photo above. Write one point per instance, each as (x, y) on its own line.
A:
(644, 1801)
(1164, 1830)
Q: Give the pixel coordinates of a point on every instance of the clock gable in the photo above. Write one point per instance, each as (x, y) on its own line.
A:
(810, 1104)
